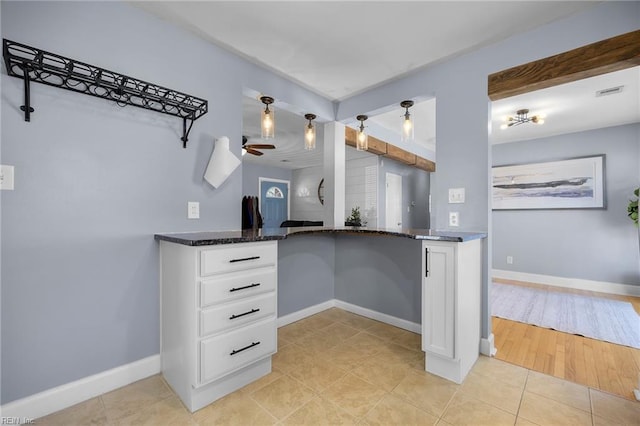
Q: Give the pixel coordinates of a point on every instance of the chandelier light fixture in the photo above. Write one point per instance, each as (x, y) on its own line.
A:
(267, 119)
(521, 118)
(361, 137)
(407, 123)
(310, 132)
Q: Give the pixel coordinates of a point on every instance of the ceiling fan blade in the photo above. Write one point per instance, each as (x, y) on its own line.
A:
(252, 151)
(260, 146)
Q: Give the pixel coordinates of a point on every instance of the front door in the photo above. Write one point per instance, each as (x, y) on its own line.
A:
(274, 202)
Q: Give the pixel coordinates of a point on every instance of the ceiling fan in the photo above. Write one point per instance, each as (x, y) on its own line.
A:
(252, 148)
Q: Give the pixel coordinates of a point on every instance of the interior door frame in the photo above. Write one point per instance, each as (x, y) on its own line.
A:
(386, 199)
(604, 56)
(266, 179)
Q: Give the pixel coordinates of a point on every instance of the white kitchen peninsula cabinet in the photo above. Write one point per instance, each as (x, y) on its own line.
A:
(451, 298)
(218, 317)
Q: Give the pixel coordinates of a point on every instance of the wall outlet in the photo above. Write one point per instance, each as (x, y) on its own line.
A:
(193, 210)
(456, 195)
(454, 219)
(6, 177)
(509, 260)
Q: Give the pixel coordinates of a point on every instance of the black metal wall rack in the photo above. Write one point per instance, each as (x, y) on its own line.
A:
(32, 64)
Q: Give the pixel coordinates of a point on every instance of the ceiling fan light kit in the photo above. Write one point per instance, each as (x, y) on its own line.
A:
(252, 148)
(407, 123)
(521, 118)
(267, 119)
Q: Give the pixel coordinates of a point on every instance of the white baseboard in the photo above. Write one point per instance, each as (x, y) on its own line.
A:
(306, 312)
(67, 395)
(575, 283)
(487, 346)
(61, 397)
(387, 319)
(312, 310)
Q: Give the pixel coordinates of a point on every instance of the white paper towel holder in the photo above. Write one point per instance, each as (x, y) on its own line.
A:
(221, 164)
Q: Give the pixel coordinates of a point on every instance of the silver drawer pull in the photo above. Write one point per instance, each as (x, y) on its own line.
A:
(253, 311)
(244, 288)
(237, 351)
(244, 259)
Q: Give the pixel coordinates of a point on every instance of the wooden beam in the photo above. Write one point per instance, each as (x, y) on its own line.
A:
(604, 56)
(375, 145)
(379, 147)
(424, 164)
(401, 155)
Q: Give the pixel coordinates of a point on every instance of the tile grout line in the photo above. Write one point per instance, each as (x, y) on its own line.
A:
(593, 419)
(524, 387)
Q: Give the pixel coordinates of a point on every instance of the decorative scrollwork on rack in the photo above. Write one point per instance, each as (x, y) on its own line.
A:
(33, 64)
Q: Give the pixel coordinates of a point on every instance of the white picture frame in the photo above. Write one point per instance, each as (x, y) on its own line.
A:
(575, 183)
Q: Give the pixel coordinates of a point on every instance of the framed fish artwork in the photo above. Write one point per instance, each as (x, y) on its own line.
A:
(575, 183)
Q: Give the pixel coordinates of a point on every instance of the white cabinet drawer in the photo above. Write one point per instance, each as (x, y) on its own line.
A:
(235, 314)
(236, 257)
(236, 285)
(225, 353)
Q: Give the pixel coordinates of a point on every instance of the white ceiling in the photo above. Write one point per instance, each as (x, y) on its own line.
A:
(289, 138)
(289, 143)
(340, 49)
(571, 107)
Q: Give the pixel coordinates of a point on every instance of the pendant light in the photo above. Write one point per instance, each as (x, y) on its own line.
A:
(361, 137)
(310, 133)
(407, 123)
(267, 121)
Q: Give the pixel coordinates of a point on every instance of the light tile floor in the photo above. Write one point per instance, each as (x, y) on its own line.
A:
(338, 368)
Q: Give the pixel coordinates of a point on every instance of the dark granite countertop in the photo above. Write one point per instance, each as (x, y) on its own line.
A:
(207, 238)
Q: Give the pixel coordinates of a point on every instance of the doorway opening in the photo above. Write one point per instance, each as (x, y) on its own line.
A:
(274, 201)
(393, 201)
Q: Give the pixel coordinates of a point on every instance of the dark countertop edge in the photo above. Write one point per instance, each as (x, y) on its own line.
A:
(232, 237)
(212, 241)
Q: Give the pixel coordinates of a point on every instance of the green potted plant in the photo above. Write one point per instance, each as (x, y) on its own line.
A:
(354, 219)
(632, 209)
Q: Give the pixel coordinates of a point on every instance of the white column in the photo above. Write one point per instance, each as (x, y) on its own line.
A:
(334, 172)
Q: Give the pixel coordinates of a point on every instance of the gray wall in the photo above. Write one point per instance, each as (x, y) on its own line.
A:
(380, 273)
(251, 172)
(463, 110)
(374, 272)
(599, 245)
(305, 272)
(95, 181)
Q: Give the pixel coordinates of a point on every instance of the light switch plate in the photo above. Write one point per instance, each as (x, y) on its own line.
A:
(193, 210)
(456, 195)
(6, 177)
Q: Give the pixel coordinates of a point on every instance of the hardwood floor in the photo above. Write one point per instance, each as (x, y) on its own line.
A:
(594, 363)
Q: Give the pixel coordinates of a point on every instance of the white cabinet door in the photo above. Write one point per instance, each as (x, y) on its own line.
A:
(438, 292)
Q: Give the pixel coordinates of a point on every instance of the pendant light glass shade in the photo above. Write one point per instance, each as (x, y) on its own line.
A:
(310, 133)
(267, 119)
(407, 123)
(362, 141)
